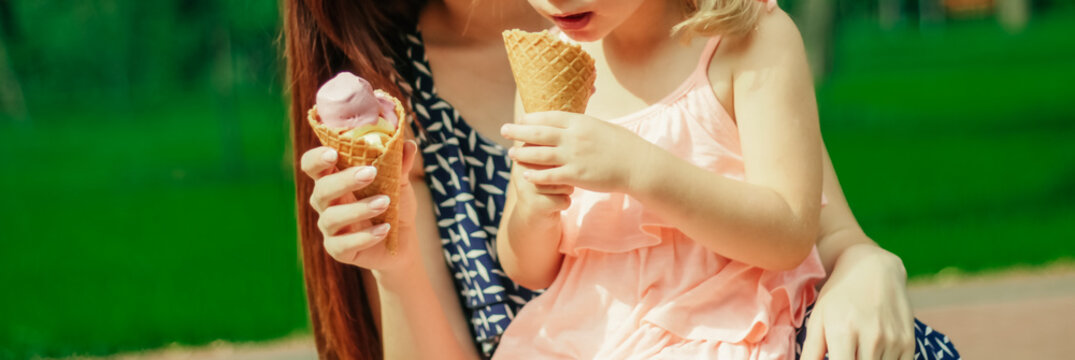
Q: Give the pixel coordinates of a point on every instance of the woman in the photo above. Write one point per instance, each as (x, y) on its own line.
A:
(406, 306)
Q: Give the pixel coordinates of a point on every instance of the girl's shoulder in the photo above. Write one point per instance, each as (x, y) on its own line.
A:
(775, 36)
(749, 65)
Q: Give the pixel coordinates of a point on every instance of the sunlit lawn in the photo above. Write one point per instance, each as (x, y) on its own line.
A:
(130, 232)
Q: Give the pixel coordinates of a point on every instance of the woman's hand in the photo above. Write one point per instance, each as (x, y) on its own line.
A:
(863, 311)
(576, 150)
(349, 237)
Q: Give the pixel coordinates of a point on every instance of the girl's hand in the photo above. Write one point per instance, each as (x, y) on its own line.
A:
(863, 311)
(349, 237)
(573, 149)
(539, 200)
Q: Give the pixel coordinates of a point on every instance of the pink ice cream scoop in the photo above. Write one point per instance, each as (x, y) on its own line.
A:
(347, 101)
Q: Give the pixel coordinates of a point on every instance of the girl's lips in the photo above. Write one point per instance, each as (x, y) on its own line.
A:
(573, 21)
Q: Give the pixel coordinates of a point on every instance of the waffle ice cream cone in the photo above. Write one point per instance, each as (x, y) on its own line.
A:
(386, 157)
(551, 75)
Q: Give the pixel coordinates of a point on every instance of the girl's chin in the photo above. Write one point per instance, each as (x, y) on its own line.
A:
(582, 35)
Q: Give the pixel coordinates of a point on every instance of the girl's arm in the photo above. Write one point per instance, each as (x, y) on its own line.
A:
(410, 294)
(839, 229)
(529, 235)
(530, 227)
(770, 219)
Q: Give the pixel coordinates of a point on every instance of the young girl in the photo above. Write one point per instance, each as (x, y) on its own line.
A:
(676, 218)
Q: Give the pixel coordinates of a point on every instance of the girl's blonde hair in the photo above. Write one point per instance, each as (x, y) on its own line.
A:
(718, 17)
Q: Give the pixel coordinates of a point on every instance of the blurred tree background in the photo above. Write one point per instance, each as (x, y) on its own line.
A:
(147, 195)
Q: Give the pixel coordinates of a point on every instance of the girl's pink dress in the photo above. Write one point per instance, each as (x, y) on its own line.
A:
(631, 287)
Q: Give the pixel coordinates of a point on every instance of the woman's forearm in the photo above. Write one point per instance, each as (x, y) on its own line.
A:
(865, 292)
(831, 246)
(413, 322)
(739, 220)
(417, 306)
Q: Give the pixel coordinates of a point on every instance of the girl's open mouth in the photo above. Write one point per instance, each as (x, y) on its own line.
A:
(573, 21)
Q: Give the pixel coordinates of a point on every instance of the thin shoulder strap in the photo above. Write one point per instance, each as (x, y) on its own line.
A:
(714, 42)
(769, 4)
(711, 46)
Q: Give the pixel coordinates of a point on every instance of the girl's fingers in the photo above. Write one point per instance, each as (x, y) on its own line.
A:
(557, 119)
(318, 162)
(338, 217)
(536, 155)
(555, 189)
(333, 186)
(814, 345)
(558, 202)
(345, 248)
(532, 134)
(553, 176)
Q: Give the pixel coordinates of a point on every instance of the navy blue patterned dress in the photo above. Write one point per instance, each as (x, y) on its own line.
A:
(468, 177)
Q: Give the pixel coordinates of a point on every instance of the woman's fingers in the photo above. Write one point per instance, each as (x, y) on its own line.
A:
(869, 345)
(318, 162)
(841, 345)
(333, 186)
(814, 345)
(336, 218)
(907, 355)
(344, 248)
(897, 339)
(532, 134)
(903, 347)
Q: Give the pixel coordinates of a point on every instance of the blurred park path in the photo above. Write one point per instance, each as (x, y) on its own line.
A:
(1013, 315)
(293, 348)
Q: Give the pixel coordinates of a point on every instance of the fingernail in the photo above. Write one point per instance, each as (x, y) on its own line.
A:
(329, 156)
(381, 230)
(504, 130)
(511, 152)
(366, 173)
(527, 174)
(379, 202)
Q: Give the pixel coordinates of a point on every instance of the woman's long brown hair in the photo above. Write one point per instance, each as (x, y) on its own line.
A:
(322, 38)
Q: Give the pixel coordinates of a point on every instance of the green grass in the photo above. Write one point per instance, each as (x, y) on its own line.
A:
(954, 147)
(131, 227)
(124, 230)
